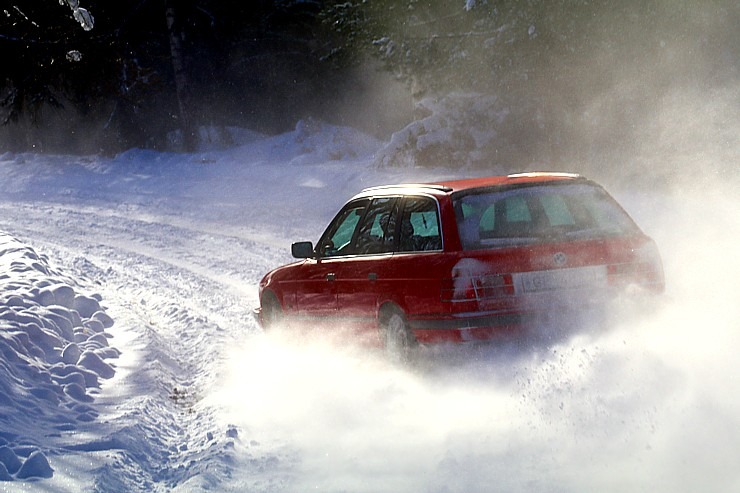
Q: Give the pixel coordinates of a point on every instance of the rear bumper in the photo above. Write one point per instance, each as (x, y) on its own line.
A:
(538, 306)
(480, 327)
(484, 326)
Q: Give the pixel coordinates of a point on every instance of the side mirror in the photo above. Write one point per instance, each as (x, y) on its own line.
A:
(302, 249)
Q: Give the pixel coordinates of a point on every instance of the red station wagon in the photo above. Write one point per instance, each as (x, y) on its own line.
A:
(461, 260)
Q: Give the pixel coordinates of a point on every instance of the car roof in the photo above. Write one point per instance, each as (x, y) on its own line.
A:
(450, 186)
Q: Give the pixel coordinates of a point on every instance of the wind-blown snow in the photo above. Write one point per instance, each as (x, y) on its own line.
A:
(129, 360)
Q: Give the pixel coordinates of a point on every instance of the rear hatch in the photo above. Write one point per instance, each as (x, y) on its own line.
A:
(547, 242)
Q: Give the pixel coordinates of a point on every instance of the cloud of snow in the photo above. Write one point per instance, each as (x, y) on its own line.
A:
(647, 399)
(656, 106)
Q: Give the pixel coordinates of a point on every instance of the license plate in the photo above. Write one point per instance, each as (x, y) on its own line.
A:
(549, 280)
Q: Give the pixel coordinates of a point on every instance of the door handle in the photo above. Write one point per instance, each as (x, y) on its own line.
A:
(372, 276)
(331, 276)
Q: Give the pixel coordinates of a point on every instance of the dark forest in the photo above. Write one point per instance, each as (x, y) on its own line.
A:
(571, 76)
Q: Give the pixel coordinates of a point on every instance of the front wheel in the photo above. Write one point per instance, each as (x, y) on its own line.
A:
(272, 312)
(400, 343)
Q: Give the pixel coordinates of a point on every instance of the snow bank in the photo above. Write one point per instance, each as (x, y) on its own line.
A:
(54, 350)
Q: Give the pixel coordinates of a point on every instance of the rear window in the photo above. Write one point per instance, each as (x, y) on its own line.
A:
(491, 218)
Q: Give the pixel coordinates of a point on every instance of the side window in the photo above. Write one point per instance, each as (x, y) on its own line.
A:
(420, 226)
(338, 236)
(377, 231)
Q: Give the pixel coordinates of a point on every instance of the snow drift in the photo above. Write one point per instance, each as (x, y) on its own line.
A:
(55, 351)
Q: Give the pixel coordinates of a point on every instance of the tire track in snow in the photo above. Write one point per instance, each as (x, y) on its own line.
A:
(167, 239)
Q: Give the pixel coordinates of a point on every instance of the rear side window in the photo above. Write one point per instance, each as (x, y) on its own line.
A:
(419, 230)
(491, 218)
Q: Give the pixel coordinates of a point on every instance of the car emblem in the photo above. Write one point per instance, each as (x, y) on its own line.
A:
(559, 259)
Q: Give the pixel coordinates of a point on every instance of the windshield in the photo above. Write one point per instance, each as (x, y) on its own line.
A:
(490, 218)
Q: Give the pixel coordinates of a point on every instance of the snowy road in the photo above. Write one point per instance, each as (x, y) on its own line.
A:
(175, 310)
(202, 400)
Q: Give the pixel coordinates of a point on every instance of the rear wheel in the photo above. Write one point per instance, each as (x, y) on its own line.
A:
(400, 343)
(272, 312)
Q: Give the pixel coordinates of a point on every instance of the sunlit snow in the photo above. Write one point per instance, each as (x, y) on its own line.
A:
(130, 360)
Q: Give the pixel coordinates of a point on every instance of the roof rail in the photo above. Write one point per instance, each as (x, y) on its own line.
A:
(533, 174)
(433, 186)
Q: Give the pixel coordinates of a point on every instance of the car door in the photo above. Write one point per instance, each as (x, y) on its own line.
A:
(418, 264)
(315, 286)
(359, 276)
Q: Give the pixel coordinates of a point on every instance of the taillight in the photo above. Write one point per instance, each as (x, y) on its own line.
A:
(646, 269)
(468, 287)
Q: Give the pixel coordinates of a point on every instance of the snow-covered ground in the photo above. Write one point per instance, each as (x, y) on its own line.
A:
(129, 360)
